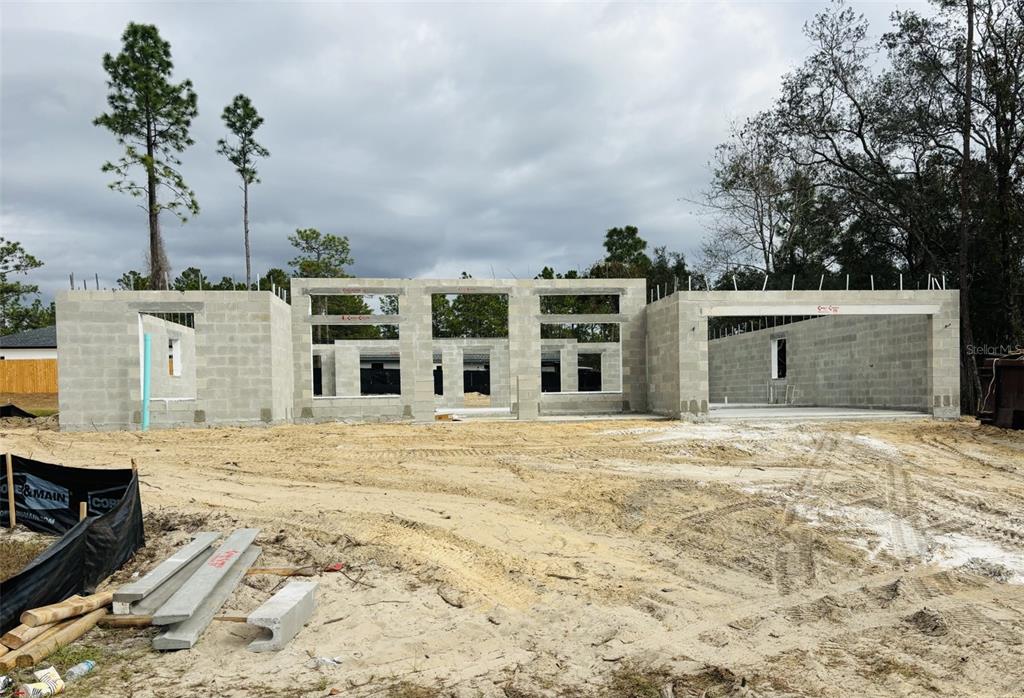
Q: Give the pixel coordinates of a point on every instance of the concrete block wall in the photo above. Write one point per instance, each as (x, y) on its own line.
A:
(691, 310)
(100, 358)
(520, 389)
(569, 351)
(163, 384)
(663, 356)
(453, 350)
(253, 353)
(843, 361)
(281, 376)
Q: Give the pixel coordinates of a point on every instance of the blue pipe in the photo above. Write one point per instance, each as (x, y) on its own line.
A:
(147, 362)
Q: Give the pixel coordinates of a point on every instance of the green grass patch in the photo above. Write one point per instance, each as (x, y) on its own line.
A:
(15, 553)
(76, 653)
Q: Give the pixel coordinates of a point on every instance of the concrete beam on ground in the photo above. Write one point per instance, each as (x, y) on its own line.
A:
(184, 603)
(284, 614)
(147, 584)
(183, 635)
(152, 603)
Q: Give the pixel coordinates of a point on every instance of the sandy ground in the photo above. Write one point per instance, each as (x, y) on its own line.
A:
(758, 559)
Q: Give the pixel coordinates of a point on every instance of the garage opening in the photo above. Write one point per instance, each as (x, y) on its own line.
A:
(826, 361)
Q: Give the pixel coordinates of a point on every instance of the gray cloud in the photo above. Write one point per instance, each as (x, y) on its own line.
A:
(439, 138)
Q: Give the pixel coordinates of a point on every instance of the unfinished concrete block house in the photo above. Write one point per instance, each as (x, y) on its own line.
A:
(249, 357)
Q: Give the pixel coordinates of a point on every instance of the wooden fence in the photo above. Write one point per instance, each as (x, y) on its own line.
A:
(28, 376)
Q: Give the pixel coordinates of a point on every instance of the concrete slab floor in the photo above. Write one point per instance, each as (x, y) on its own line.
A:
(722, 413)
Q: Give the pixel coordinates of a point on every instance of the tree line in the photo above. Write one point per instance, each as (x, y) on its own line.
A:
(889, 158)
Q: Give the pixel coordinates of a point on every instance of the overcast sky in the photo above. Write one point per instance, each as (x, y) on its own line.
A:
(493, 139)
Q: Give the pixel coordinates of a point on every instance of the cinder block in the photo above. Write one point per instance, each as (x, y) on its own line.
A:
(284, 614)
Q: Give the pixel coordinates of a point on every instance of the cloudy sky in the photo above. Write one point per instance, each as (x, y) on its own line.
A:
(494, 139)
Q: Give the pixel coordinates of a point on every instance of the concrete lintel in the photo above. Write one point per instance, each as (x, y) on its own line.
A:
(283, 614)
(581, 318)
(147, 584)
(165, 306)
(354, 319)
(459, 290)
(183, 635)
(184, 603)
(353, 291)
(581, 291)
(720, 309)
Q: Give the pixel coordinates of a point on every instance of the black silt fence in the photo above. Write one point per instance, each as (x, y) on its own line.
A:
(47, 499)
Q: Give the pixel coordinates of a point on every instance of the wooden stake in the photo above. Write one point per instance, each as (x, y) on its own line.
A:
(20, 636)
(9, 661)
(10, 491)
(63, 635)
(130, 621)
(307, 571)
(68, 608)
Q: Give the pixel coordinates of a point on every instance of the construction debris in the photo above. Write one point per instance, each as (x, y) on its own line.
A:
(21, 635)
(185, 633)
(160, 574)
(68, 608)
(193, 593)
(53, 640)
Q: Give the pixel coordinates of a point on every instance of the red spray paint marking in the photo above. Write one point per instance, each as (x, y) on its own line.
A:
(221, 559)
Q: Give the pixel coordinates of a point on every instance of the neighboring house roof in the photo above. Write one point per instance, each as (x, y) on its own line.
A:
(41, 338)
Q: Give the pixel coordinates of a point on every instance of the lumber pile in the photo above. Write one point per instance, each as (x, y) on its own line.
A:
(45, 630)
(182, 595)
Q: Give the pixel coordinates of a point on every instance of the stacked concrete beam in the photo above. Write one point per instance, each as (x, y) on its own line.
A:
(166, 577)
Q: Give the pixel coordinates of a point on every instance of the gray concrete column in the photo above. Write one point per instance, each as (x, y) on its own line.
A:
(569, 367)
(454, 385)
(346, 370)
(500, 393)
(633, 345)
(693, 360)
(944, 358)
(327, 372)
(524, 350)
(417, 356)
(611, 370)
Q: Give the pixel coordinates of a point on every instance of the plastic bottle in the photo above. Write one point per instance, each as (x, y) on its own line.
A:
(79, 670)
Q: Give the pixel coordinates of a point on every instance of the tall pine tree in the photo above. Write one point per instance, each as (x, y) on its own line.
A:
(150, 116)
(242, 121)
